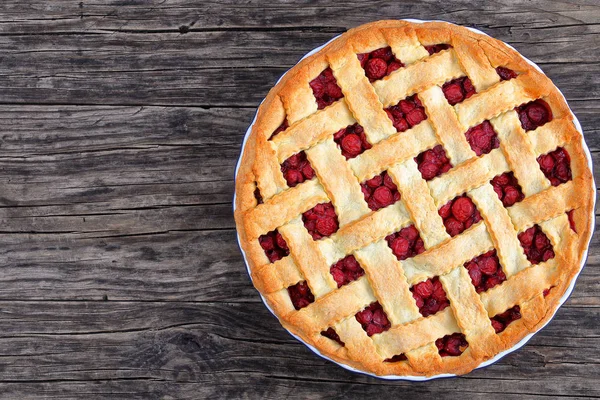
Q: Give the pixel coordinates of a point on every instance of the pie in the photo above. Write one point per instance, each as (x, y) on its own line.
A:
(414, 199)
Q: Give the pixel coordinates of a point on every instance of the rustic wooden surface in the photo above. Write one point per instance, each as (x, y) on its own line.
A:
(120, 125)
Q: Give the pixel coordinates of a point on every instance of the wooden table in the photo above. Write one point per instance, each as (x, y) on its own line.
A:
(120, 128)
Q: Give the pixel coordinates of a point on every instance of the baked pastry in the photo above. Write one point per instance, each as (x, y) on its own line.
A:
(414, 199)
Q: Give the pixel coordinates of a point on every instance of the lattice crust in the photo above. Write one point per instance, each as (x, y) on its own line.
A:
(362, 232)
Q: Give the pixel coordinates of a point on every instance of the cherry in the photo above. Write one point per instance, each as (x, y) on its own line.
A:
(325, 89)
(330, 333)
(459, 214)
(485, 271)
(321, 220)
(380, 191)
(407, 113)
(556, 166)
(300, 295)
(507, 188)
(436, 48)
(482, 138)
(501, 321)
(433, 162)
(373, 319)
(352, 140)
(452, 345)
(430, 296)
(458, 90)
(406, 243)
(396, 358)
(571, 220)
(534, 114)
(274, 245)
(297, 169)
(505, 74)
(346, 270)
(284, 125)
(379, 63)
(536, 245)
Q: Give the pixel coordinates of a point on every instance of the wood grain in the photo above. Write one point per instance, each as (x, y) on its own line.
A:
(121, 123)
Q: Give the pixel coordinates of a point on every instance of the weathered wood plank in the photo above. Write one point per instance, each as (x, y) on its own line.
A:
(192, 343)
(225, 68)
(63, 16)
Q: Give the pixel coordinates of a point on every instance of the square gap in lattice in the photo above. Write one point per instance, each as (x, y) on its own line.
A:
(507, 188)
(407, 113)
(346, 270)
(352, 141)
(373, 319)
(321, 221)
(297, 169)
(534, 114)
(459, 214)
(433, 162)
(405, 243)
(380, 191)
(325, 89)
(536, 245)
(274, 245)
(485, 271)
(430, 296)
(379, 63)
(556, 166)
(300, 295)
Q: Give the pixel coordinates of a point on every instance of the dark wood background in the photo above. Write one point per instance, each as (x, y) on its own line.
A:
(120, 126)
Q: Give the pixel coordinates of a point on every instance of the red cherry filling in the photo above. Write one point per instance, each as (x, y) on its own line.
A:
(436, 48)
(547, 291)
(320, 221)
(396, 358)
(505, 74)
(571, 220)
(380, 191)
(284, 125)
(433, 162)
(556, 166)
(301, 295)
(407, 113)
(257, 196)
(274, 245)
(458, 90)
(373, 319)
(430, 296)
(485, 271)
(501, 321)
(352, 140)
(379, 63)
(346, 270)
(297, 169)
(325, 89)
(459, 214)
(405, 243)
(452, 345)
(507, 188)
(482, 138)
(330, 333)
(536, 244)
(534, 114)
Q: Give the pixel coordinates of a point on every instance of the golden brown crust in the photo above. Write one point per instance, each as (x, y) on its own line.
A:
(362, 232)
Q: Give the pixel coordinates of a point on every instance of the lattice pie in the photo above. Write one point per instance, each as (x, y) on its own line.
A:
(414, 199)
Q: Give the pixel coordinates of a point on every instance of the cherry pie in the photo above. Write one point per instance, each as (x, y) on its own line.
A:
(414, 199)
